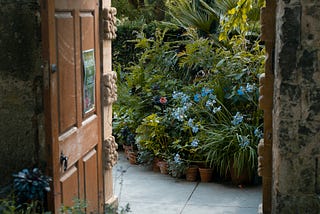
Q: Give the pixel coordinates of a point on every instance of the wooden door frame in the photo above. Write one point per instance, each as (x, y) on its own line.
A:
(47, 43)
(268, 14)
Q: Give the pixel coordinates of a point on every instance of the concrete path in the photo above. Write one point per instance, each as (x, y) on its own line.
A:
(148, 192)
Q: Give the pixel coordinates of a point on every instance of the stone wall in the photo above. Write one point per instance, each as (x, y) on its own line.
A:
(296, 124)
(21, 111)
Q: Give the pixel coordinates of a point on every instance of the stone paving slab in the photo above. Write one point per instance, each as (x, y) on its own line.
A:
(148, 192)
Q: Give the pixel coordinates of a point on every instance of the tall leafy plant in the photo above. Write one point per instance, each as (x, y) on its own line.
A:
(243, 18)
(192, 14)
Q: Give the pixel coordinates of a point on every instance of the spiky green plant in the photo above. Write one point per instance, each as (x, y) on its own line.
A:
(193, 14)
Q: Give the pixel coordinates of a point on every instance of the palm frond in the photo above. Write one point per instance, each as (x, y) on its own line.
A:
(189, 14)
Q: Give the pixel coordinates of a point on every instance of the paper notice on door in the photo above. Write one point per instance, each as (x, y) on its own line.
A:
(88, 80)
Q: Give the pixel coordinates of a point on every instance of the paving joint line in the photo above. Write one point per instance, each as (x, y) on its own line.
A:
(194, 189)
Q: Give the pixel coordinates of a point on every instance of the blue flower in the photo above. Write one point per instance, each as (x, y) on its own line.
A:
(177, 158)
(210, 103)
(185, 98)
(238, 118)
(195, 128)
(240, 91)
(249, 88)
(196, 98)
(180, 95)
(258, 133)
(213, 97)
(195, 143)
(216, 109)
(206, 91)
(244, 141)
(186, 106)
(179, 114)
(176, 95)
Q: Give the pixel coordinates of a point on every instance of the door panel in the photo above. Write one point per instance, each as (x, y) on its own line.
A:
(90, 179)
(66, 70)
(71, 28)
(69, 186)
(87, 32)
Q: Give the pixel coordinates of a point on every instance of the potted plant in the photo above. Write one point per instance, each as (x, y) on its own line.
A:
(176, 166)
(151, 134)
(206, 174)
(163, 166)
(232, 149)
(192, 173)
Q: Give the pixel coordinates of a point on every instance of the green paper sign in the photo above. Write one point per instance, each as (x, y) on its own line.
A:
(88, 80)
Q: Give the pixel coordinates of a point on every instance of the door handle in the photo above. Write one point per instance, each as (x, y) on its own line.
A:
(63, 161)
(53, 68)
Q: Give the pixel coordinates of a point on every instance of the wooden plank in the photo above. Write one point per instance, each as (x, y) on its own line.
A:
(91, 169)
(69, 187)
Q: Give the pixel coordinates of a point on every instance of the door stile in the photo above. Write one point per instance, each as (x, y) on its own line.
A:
(45, 29)
(50, 104)
(99, 107)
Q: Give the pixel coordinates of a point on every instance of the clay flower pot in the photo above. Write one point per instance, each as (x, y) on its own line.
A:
(206, 174)
(163, 165)
(192, 173)
(155, 165)
(127, 149)
(132, 157)
(243, 178)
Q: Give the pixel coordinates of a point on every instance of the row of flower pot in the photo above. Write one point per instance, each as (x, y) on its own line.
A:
(191, 174)
(162, 167)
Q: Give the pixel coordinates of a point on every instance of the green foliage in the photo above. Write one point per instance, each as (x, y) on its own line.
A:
(192, 14)
(147, 10)
(31, 185)
(28, 195)
(229, 146)
(78, 207)
(114, 210)
(189, 97)
(177, 169)
(10, 206)
(125, 9)
(152, 135)
(244, 18)
(189, 58)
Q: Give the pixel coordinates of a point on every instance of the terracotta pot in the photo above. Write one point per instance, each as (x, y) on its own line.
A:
(132, 157)
(192, 173)
(243, 178)
(155, 166)
(163, 165)
(127, 149)
(206, 174)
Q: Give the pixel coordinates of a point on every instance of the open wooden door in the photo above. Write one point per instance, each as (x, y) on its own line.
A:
(70, 32)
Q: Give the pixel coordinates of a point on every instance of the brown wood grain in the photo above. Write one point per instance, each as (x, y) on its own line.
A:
(69, 28)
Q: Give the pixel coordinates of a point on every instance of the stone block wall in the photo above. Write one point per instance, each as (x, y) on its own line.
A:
(21, 111)
(296, 119)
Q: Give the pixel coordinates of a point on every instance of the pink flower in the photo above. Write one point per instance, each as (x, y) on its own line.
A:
(163, 100)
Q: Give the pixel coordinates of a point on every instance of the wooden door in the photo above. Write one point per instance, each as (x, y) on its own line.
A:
(70, 35)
